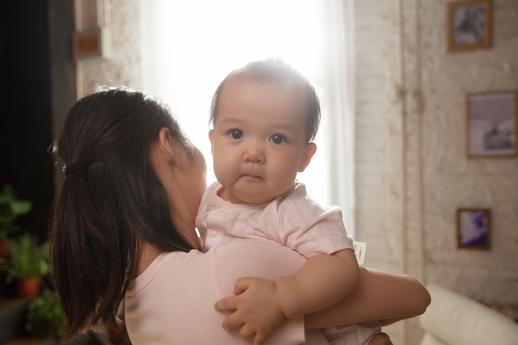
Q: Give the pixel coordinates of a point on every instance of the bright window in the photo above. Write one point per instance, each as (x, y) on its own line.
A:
(190, 46)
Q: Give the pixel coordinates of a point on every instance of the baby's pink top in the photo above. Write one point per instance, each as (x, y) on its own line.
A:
(172, 301)
(293, 220)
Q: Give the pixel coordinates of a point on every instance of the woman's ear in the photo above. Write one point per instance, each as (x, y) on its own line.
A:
(166, 143)
(308, 153)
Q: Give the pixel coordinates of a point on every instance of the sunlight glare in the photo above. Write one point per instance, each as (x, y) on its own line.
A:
(200, 42)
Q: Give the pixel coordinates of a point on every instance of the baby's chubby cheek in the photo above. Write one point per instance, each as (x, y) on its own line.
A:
(225, 174)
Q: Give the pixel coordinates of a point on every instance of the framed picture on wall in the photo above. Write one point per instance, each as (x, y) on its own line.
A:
(469, 25)
(491, 124)
(474, 228)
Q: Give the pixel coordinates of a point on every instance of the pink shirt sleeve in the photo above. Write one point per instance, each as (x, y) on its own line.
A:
(308, 228)
(201, 217)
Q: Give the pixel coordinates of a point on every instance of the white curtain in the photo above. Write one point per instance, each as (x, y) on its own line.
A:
(188, 47)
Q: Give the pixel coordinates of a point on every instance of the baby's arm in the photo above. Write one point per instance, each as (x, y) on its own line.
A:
(321, 282)
(379, 296)
(261, 305)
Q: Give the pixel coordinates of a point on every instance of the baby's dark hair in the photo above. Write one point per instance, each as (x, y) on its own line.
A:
(275, 70)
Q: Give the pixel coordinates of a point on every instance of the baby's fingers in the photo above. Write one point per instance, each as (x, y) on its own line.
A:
(241, 285)
(232, 322)
(259, 339)
(226, 304)
(246, 332)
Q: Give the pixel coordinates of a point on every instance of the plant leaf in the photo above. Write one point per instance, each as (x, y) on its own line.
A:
(20, 207)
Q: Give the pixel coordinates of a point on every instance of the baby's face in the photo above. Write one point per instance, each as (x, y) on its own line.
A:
(258, 140)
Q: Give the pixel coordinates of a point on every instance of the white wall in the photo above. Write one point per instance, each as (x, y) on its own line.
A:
(120, 18)
(409, 186)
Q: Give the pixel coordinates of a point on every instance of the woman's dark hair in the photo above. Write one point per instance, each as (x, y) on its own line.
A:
(277, 71)
(111, 199)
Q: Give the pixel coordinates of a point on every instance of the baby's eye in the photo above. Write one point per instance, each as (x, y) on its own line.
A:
(235, 133)
(278, 139)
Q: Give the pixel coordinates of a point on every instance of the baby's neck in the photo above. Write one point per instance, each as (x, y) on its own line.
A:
(226, 195)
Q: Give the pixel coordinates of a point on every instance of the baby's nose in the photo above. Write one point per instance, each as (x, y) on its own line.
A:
(254, 154)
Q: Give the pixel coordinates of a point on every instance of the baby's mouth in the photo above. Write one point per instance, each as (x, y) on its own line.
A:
(251, 177)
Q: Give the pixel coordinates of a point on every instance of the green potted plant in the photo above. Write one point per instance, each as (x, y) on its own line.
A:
(45, 316)
(28, 263)
(10, 209)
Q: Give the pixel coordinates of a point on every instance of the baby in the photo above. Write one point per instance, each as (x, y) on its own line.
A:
(264, 119)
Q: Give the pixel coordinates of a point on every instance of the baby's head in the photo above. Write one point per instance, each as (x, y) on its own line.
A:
(278, 72)
(264, 116)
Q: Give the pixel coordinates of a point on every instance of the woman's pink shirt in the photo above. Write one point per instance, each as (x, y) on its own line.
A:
(172, 301)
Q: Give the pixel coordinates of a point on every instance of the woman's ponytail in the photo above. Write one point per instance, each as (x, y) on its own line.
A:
(111, 199)
(91, 252)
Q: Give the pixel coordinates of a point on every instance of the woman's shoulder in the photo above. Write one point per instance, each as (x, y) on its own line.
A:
(163, 264)
(183, 287)
(251, 257)
(226, 263)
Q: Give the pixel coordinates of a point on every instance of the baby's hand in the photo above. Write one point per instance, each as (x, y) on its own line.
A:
(380, 339)
(254, 309)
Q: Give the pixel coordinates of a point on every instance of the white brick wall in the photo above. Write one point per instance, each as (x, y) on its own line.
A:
(123, 66)
(449, 179)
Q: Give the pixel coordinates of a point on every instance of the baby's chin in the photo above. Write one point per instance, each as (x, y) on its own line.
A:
(257, 200)
(250, 197)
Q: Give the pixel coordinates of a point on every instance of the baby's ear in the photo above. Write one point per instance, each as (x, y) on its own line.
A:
(211, 138)
(308, 153)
